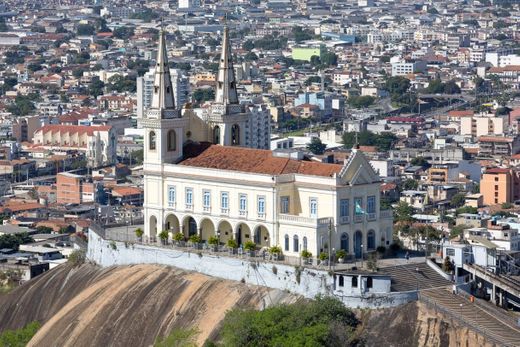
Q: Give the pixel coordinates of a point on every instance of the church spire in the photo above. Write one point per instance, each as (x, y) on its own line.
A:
(226, 84)
(163, 98)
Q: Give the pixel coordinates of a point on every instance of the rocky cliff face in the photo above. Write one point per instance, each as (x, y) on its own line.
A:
(415, 324)
(133, 305)
(125, 306)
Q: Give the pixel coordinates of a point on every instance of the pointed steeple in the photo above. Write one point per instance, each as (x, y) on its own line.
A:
(163, 98)
(226, 84)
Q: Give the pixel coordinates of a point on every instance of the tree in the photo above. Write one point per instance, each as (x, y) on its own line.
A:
(397, 86)
(316, 146)
(14, 241)
(383, 141)
(250, 56)
(85, 30)
(122, 84)
(458, 200)
(409, 184)
(451, 88)
(248, 45)
(403, 212)
(163, 235)
(466, 209)
(95, 87)
(322, 322)
(23, 104)
(447, 265)
(458, 230)
(123, 33)
(78, 73)
(301, 35)
(19, 337)
(361, 101)
(420, 161)
(43, 230)
(329, 59)
(202, 95)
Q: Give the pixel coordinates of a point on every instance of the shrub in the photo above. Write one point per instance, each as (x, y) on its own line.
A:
(306, 254)
(19, 337)
(381, 249)
(231, 243)
(163, 235)
(113, 245)
(275, 250)
(195, 239)
(77, 258)
(324, 256)
(250, 246)
(341, 254)
(178, 236)
(139, 232)
(213, 240)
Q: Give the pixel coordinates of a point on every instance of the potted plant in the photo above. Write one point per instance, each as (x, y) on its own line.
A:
(276, 252)
(307, 256)
(195, 241)
(139, 234)
(324, 258)
(341, 254)
(178, 238)
(232, 246)
(213, 242)
(250, 247)
(163, 235)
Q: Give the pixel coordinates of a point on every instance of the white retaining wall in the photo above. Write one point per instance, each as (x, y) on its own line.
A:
(310, 283)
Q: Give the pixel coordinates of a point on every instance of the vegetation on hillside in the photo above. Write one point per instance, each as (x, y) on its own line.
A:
(19, 337)
(322, 322)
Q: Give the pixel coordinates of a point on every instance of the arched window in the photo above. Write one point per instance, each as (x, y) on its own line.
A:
(354, 281)
(371, 240)
(235, 135)
(341, 281)
(305, 243)
(295, 243)
(286, 243)
(172, 140)
(152, 139)
(344, 242)
(370, 282)
(216, 135)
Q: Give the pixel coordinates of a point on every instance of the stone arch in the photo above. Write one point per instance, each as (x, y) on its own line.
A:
(172, 224)
(296, 244)
(207, 229)
(226, 231)
(262, 238)
(243, 233)
(286, 243)
(152, 228)
(189, 226)
(371, 240)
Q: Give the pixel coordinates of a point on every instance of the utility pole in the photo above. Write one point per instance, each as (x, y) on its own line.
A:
(330, 243)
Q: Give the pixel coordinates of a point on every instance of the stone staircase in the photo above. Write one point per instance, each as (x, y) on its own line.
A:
(407, 278)
(490, 325)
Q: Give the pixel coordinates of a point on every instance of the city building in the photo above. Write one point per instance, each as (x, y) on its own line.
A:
(97, 142)
(75, 189)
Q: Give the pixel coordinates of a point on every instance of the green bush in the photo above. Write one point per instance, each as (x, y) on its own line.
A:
(275, 250)
(213, 240)
(195, 239)
(178, 236)
(139, 232)
(19, 337)
(324, 256)
(306, 254)
(231, 243)
(341, 254)
(77, 258)
(323, 322)
(163, 235)
(250, 246)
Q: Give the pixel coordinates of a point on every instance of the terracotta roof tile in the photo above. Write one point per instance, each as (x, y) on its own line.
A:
(252, 160)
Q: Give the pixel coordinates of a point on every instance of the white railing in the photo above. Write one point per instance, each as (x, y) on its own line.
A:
(224, 211)
(359, 218)
(206, 209)
(371, 216)
(189, 207)
(292, 219)
(242, 213)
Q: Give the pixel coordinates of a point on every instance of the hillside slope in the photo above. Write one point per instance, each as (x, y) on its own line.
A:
(125, 306)
(133, 305)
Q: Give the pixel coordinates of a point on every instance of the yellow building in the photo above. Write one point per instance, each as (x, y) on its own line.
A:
(495, 186)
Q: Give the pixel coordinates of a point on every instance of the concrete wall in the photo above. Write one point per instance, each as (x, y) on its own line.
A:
(305, 282)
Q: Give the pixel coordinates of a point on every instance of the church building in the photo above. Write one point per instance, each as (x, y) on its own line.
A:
(208, 173)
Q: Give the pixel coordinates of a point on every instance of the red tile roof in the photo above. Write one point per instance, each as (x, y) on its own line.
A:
(462, 113)
(252, 160)
(497, 170)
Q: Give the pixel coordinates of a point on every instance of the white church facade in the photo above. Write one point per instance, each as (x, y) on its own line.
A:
(202, 177)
